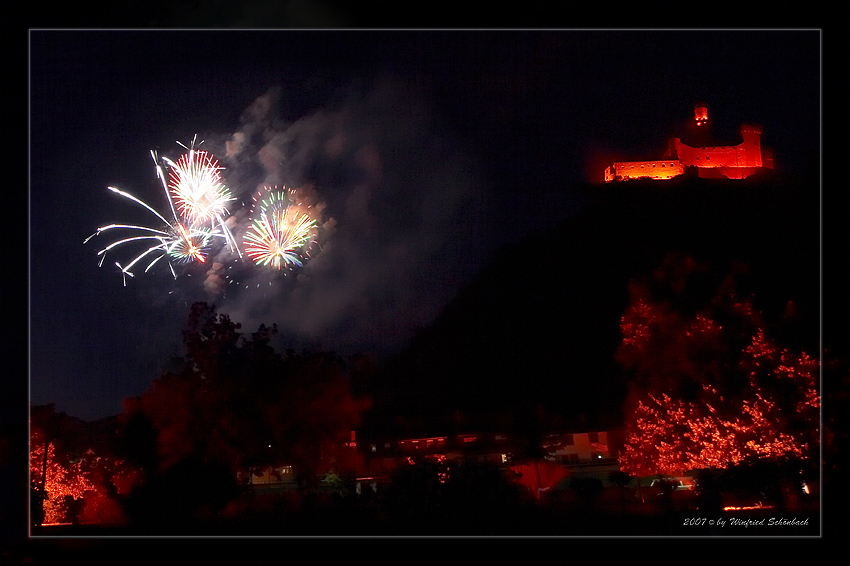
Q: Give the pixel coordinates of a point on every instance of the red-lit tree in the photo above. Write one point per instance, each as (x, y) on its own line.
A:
(709, 389)
(237, 402)
(55, 477)
(112, 479)
(69, 481)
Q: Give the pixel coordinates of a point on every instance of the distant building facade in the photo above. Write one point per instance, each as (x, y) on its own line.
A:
(373, 462)
(710, 161)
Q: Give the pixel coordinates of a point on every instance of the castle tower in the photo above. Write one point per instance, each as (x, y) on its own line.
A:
(750, 149)
(701, 115)
(699, 130)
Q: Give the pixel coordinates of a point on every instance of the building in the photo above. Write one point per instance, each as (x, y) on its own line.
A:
(582, 453)
(582, 447)
(373, 462)
(710, 161)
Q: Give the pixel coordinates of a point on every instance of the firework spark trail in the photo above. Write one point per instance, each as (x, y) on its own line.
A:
(277, 235)
(131, 197)
(174, 239)
(161, 176)
(178, 243)
(163, 238)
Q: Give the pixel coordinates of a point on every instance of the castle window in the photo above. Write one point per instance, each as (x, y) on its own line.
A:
(662, 165)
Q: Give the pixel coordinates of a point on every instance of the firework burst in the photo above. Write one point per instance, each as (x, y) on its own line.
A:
(172, 239)
(279, 232)
(180, 239)
(190, 244)
(196, 186)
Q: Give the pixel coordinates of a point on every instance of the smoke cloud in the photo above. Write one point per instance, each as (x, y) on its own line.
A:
(397, 199)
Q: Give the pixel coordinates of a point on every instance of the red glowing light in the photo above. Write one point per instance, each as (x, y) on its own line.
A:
(759, 505)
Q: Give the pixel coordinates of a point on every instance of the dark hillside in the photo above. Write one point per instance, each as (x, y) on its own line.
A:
(539, 326)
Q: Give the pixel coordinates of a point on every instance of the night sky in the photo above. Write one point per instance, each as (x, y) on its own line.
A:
(429, 150)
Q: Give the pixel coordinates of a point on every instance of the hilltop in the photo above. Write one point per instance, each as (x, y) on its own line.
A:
(535, 332)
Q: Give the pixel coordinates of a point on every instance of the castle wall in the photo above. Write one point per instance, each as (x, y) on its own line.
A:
(656, 169)
(745, 154)
(726, 172)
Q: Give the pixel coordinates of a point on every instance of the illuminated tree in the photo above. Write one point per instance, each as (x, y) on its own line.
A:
(709, 389)
(70, 481)
(56, 476)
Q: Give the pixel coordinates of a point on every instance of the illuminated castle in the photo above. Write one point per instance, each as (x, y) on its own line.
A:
(711, 162)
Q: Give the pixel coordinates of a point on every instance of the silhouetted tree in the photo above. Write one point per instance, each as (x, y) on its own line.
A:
(137, 443)
(621, 479)
(533, 442)
(708, 492)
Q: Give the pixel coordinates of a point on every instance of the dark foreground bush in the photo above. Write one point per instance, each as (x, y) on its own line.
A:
(177, 500)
